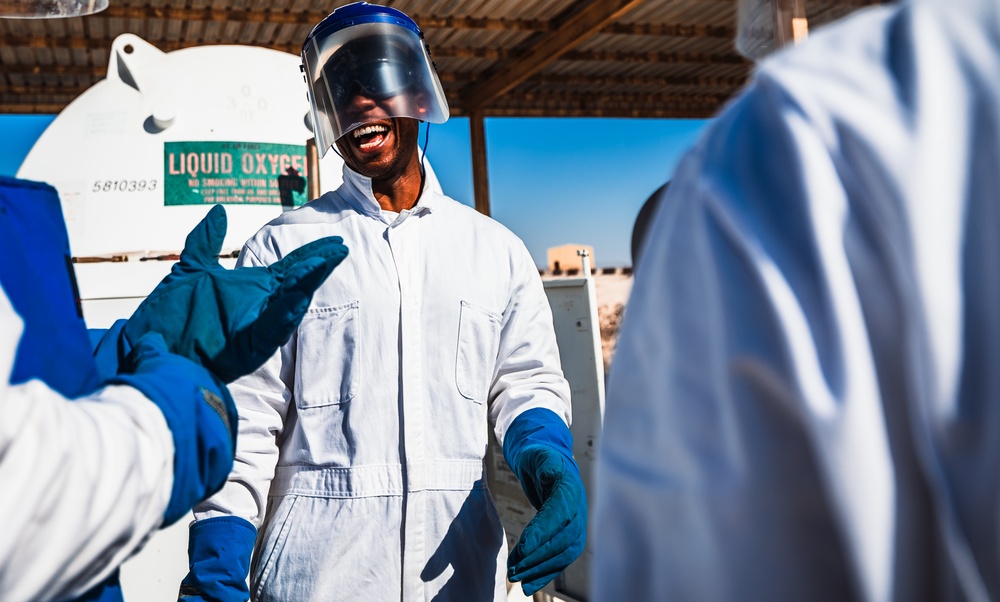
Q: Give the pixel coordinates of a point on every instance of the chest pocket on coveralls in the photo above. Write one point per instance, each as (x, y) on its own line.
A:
(327, 362)
(478, 344)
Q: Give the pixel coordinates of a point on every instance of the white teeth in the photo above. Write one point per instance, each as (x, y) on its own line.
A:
(370, 129)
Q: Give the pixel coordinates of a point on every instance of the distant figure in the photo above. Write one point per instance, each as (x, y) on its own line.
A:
(805, 400)
(641, 227)
(290, 183)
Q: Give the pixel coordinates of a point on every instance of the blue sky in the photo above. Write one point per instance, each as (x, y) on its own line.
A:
(552, 181)
(19, 135)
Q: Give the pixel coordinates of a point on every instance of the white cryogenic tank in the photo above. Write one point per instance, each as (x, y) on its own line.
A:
(139, 158)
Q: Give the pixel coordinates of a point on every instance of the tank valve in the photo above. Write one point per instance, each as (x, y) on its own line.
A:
(163, 117)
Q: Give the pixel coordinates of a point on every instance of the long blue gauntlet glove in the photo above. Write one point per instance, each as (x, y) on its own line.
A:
(538, 448)
(201, 416)
(219, 551)
(232, 321)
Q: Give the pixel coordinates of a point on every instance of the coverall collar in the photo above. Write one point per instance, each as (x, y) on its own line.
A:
(363, 198)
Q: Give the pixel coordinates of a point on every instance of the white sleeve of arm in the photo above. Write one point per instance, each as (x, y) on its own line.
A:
(743, 420)
(528, 372)
(262, 398)
(84, 482)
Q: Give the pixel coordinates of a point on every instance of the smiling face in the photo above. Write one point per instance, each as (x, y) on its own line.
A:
(384, 149)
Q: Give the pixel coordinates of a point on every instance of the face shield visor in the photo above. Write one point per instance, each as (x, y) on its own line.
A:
(368, 72)
(47, 9)
(764, 26)
(754, 28)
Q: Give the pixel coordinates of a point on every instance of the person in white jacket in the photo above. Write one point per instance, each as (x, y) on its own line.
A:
(98, 450)
(805, 400)
(362, 443)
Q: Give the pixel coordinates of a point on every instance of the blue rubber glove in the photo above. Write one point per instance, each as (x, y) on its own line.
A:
(200, 413)
(232, 321)
(219, 551)
(538, 447)
(110, 349)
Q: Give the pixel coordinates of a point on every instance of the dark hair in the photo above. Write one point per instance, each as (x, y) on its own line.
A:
(643, 220)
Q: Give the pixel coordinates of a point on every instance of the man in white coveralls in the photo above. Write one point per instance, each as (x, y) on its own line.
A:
(805, 401)
(97, 451)
(361, 448)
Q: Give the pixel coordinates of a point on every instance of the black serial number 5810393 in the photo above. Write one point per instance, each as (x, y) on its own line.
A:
(123, 185)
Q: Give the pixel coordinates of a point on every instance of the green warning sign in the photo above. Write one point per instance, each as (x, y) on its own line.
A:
(234, 173)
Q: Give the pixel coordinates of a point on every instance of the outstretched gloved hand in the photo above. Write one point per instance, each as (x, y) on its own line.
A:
(538, 448)
(232, 321)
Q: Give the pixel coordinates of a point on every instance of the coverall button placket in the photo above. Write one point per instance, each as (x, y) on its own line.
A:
(403, 237)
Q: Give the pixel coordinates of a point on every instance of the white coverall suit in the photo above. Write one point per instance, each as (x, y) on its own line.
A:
(73, 511)
(805, 399)
(373, 419)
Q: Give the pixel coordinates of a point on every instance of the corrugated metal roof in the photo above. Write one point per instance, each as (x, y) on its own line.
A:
(636, 58)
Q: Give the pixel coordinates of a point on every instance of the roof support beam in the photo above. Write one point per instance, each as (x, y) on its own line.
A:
(94, 43)
(631, 80)
(676, 30)
(614, 97)
(104, 43)
(637, 106)
(74, 90)
(588, 81)
(453, 52)
(655, 57)
(575, 30)
(480, 173)
(231, 15)
(561, 104)
(589, 103)
(32, 108)
(696, 112)
(446, 77)
(82, 70)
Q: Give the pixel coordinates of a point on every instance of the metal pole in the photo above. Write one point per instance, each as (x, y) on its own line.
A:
(312, 169)
(480, 175)
(584, 255)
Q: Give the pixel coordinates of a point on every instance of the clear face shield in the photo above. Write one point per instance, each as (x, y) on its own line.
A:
(47, 9)
(764, 26)
(368, 72)
(754, 28)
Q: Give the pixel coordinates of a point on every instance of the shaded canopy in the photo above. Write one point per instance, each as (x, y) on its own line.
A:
(537, 58)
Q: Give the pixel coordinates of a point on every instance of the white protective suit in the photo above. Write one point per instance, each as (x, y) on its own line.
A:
(373, 419)
(805, 398)
(83, 483)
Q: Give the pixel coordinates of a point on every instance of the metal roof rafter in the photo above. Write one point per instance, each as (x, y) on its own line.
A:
(426, 22)
(85, 70)
(104, 43)
(577, 28)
